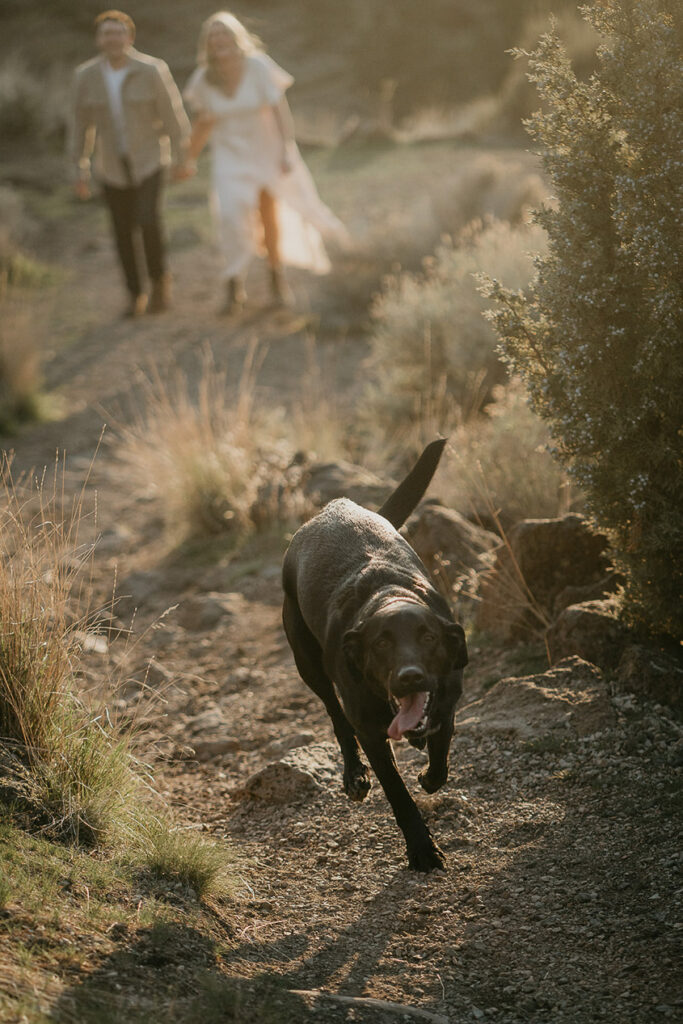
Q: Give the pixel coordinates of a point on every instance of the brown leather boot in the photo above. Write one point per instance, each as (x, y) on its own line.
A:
(235, 297)
(160, 299)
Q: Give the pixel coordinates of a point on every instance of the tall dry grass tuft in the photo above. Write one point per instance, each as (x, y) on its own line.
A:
(198, 450)
(223, 464)
(64, 759)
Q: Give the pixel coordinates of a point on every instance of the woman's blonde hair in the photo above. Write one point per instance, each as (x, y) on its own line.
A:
(246, 40)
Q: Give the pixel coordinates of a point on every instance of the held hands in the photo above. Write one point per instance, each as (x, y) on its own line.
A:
(183, 171)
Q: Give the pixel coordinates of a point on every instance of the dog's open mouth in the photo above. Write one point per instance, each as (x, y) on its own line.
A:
(412, 717)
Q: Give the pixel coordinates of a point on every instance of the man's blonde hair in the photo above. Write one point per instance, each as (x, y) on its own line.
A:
(114, 15)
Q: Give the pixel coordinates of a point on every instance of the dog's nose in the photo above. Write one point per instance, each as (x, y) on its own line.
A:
(410, 676)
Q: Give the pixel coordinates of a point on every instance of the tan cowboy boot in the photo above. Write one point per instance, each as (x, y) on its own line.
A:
(137, 304)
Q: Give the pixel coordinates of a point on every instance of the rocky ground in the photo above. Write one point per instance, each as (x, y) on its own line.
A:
(560, 899)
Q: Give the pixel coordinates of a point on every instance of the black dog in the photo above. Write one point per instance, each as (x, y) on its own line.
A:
(359, 609)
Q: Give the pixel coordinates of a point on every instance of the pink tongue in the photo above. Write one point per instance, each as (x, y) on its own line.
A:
(409, 715)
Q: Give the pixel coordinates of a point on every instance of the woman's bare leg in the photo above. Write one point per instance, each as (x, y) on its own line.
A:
(271, 228)
(280, 290)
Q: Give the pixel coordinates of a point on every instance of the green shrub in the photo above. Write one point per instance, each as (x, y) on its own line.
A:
(598, 342)
(432, 351)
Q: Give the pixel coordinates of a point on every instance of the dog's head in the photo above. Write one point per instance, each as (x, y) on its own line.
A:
(413, 657)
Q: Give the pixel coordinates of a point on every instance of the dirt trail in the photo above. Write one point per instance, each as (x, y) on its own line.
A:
(558, 903)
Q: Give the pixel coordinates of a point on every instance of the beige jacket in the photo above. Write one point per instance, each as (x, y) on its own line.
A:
(154, 115)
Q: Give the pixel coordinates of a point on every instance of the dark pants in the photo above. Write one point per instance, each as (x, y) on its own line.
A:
(135, 211)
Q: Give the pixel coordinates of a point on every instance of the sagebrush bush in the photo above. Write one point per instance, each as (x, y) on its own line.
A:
(484, 187)
(503, 462)
(432, 352)
(598, 341)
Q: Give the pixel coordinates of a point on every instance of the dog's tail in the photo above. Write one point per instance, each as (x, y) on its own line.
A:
(407, 495)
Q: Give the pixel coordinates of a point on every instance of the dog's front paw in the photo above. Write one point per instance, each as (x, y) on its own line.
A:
(357, 783)
(426, 857)
(431, 780)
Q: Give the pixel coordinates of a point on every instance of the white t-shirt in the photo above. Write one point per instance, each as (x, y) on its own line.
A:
(113, 79)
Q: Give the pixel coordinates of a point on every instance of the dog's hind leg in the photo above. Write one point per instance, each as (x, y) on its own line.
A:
(309, 662)
(423, 853)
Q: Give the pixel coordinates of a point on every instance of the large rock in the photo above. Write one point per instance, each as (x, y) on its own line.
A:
(571, 698)
(448, 543)
(590, 630)
(541, 559)
(306, 771)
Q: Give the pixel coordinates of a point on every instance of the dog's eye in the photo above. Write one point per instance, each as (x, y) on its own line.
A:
(383, 642)
(428, 638)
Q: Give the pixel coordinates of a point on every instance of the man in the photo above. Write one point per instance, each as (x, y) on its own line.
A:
(127, 107)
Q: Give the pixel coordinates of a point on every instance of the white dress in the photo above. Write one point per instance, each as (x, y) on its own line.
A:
(246, 158)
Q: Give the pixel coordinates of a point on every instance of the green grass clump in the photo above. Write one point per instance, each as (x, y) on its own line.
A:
(187, 858)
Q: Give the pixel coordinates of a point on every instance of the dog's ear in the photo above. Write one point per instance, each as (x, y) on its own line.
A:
(456, 643)
(352, 647)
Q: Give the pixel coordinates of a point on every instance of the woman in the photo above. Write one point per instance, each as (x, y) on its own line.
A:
(237, 96)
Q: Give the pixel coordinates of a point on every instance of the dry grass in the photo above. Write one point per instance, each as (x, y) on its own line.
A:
(199, 451)
(66, 760)
(223, 464)
(502, 459)
(69, 766)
